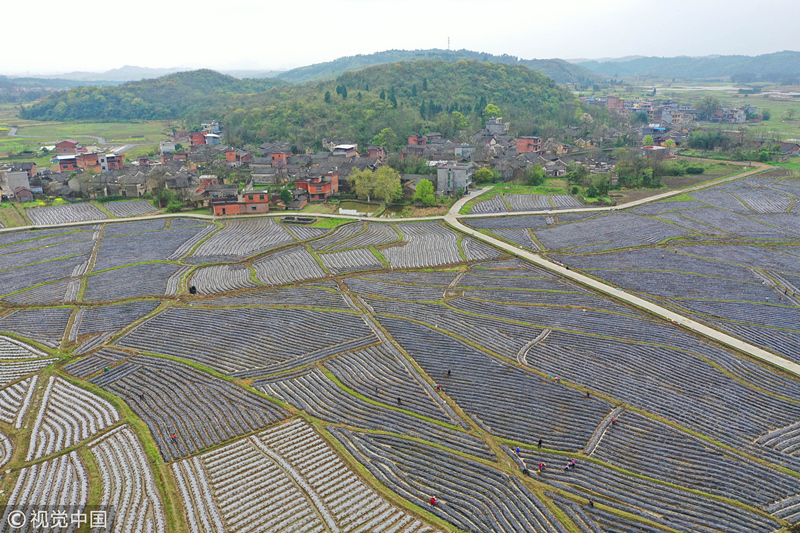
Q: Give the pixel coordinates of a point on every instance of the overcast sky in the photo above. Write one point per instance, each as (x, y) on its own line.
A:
(49, 36)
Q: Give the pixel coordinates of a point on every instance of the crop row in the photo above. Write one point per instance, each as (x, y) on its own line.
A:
(24, 277)
(149, 279)
(139, 226)
(350, 260)
(395, 291)
(128, 485)
(477, 251)
(375, 235)
(37, 255)
(99, 360)
(240, 238)
(109, 317)
(284, 479)
(313, 392)
(287, 266)
(63, 214)
(174, 399)
(340, 234)
(239, 339)
(68, 415)
(222, 278)
(314, 295)
(507, 401)
(149, 246)
(426, 244)
(656, 450)
(16, 399)
(44, 325)
(130, 208)
(471, 495)
(615, 230)
(665, 505)
(60, 484)
(382, 374)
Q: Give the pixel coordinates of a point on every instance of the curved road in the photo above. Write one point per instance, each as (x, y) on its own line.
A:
(12, 132)
(452, 218)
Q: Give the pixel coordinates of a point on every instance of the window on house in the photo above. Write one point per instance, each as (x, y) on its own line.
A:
(250, 197)
(260, 196)
(254, 208)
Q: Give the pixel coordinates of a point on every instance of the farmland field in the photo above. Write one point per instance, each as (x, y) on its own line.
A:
(245, 375)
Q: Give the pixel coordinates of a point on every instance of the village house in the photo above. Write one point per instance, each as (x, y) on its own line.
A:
(452, 177)
(345, 150)
(67, 146)
(496, 126)
(319, 187)
(197, 138)
(529, 144)
(249, 202)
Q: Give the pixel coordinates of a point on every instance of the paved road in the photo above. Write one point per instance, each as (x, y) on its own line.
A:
(453, 217)
(12, 132)
(681, 321)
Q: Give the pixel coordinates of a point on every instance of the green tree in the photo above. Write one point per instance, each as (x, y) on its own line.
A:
(483, 175)
(344, 92)
(327, 97)
(535, 176)
(383, 95)
(767, 114)
(576, 174)
(424, 84)
(708, 106)
(669, 143)
(491, 111)
(388, 187)
(648, 140)
(286, 195)
(386, 138)
(393, 98)
(424, 193)
(363, 183)
(414, 90)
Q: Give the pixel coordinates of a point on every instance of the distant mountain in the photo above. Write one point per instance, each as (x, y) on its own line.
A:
(767, 67)
(558, 69)
(121, 75)
(168, 97)
(10, 83)
(253, 74)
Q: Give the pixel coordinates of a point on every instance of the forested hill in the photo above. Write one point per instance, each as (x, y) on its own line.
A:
(168, 97)
(768, 67)
(407, 97)
(559, 70)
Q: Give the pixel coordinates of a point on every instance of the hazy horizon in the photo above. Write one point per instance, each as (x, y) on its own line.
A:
(258, 36)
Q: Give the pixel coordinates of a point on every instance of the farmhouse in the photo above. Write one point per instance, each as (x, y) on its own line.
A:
(249, 202)
(319, 187)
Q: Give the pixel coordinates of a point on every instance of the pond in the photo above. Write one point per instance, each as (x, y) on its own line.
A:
(363, 209)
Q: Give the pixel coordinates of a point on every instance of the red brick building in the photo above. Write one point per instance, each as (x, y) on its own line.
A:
(319, 187)
(66, 147)
(197, 138)
(249, 202)
(417, 140)
(529, 144)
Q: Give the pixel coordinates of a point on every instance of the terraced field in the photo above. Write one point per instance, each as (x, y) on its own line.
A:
(401, 377)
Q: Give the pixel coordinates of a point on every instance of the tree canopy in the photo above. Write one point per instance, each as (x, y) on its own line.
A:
(424, 193)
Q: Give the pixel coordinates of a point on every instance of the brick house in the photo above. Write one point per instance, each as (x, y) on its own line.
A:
(66, 147)
(319, 187)
(249, 202)
(197, 138)
(529, 144)
(417, 140)
(67, 163)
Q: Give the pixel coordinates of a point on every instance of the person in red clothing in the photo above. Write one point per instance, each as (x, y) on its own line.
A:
(433, 500)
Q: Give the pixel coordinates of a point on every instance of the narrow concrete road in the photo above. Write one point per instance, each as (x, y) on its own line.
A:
(12, 132)
(679, 320)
